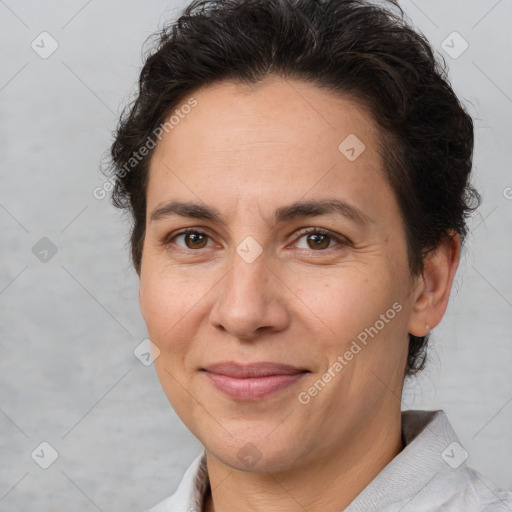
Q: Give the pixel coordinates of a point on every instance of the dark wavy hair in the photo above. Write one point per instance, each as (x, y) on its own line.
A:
(351, 47)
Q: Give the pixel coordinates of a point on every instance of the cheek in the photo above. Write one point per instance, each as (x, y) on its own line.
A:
(165, 303)
(347, 302)
(167, 292)
(359, 316)
(174, 307)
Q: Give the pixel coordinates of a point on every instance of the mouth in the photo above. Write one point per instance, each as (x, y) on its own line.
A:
(252, 381)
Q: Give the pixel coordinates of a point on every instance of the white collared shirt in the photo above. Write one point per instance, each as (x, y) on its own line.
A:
(429, 475)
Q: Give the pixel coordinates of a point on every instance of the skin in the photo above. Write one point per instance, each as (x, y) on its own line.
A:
(247, 151)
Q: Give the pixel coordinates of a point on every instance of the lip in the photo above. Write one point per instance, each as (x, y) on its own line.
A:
(252, 381)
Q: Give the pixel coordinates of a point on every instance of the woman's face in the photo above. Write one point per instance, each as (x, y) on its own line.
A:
(253, 286)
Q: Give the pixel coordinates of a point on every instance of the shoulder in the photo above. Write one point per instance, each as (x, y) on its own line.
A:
(456, 485)
(465, 489)
(430, 474)
(167, 505)
(486, 495)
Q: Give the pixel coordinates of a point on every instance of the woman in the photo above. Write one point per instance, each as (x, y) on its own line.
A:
(298, 175)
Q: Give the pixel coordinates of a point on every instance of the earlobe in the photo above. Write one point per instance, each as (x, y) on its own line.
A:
(437, 278)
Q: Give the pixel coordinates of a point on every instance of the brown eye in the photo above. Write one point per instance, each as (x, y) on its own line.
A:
(192, 239)
(319, 239)
(196, 240)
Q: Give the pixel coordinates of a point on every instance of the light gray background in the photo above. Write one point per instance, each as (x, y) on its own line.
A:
(69, 326)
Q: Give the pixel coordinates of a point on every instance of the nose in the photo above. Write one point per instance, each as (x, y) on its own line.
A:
(250, 300)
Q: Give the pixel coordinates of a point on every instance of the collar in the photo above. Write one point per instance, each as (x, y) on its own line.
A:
(430, 446)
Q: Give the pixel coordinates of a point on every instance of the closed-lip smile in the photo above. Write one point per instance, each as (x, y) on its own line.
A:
(252, 381)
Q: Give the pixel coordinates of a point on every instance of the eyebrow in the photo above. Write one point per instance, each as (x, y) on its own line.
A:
(284, 213)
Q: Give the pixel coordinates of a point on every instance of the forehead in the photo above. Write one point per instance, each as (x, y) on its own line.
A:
(281, 112)
(273, 139)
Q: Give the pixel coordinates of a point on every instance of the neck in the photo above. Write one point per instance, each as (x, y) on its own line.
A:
(324, 484)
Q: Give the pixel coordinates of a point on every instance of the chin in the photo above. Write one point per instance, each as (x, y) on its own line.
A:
(256, 456)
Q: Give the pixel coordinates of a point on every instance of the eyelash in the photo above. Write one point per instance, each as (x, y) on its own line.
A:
(306, 231)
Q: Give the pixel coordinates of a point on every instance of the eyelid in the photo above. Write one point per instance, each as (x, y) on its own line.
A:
(322, 231)
(343, 241)
(200, 231)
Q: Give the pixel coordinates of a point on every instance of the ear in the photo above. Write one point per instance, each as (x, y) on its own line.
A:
(434, 285)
